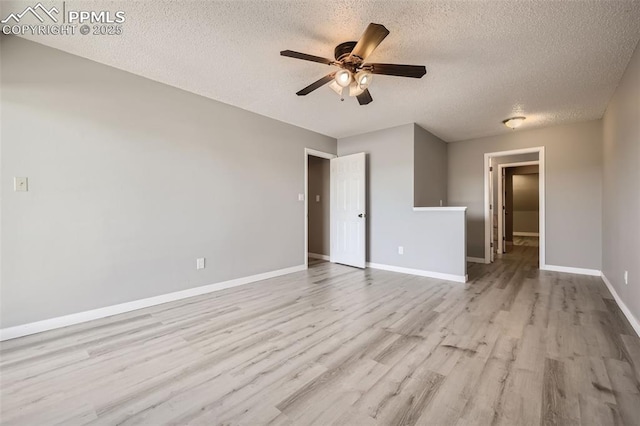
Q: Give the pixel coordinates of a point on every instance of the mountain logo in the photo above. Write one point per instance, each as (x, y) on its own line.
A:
(34, 11)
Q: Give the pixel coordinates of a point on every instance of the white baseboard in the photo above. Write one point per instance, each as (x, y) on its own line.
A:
(430, 274)
(107, 311)
(475, 259)
(625, 310)
(318, 256)
(571, 270)
(526, 234)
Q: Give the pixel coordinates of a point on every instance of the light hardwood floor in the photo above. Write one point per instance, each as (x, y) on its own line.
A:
(336, 345)
(526, 241)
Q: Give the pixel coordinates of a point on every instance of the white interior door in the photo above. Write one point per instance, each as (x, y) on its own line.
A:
(348, 215)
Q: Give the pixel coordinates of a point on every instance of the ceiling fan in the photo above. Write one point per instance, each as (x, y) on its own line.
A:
(354, 73)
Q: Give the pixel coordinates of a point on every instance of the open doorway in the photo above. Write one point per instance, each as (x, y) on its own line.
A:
(518, 205)
(317, 197)
(494, 183)
(319, 228)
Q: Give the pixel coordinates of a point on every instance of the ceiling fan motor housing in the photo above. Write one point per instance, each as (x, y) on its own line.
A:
(344, 49)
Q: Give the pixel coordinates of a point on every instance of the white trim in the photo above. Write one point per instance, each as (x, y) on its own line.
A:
(526, 234)
(439, 209)
(475, 259)
(625, 310)
(107, 311)
(487, 214)
(571, 270)
(314, 153)
(492, 253)
(501, 210)
(419, 272)
(501, 214)
(542, 206)
(520, 164)
(318, 256)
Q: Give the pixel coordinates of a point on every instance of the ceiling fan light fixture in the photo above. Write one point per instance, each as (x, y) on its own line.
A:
(363, 78)
(343, 78)
(514, 122)
(355, 89)
(336, 87)
(354, 71)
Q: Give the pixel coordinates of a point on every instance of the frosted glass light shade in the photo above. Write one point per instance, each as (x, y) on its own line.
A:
(355, 89)
(514, 122)
(343, 78)
(363, 78)
(336, 87)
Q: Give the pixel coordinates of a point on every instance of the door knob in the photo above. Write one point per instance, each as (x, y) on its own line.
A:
(361, 215)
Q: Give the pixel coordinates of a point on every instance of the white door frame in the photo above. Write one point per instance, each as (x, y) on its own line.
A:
(314, 153)
(492, 210)
(487, 220)
(501, 167)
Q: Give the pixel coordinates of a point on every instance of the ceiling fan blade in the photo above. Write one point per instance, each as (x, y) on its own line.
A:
(305, 57)
(414, 71)
(364, 97)
(313, 86)
(372, 37)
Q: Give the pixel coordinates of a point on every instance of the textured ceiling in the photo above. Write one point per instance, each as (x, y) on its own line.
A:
(554, 62)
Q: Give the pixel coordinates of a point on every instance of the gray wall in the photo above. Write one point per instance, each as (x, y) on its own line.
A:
(510, 172)
(573, 188)
(526, 203)
(621, 187)
(430, 169)
(130, 181)
(319, 212)
(432, 241)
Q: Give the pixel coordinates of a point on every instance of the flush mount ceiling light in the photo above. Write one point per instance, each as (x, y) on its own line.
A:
(513, 122)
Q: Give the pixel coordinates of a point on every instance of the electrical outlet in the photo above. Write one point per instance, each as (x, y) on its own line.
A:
(626, 277)
(200, 263)
(317, 198)
(400, 250)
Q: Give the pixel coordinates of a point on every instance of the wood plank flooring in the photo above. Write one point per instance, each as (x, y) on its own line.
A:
(337, 345)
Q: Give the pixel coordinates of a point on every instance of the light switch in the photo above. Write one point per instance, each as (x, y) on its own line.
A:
(20, 184)
(317, 198)
(300, 197)
(200, 263)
